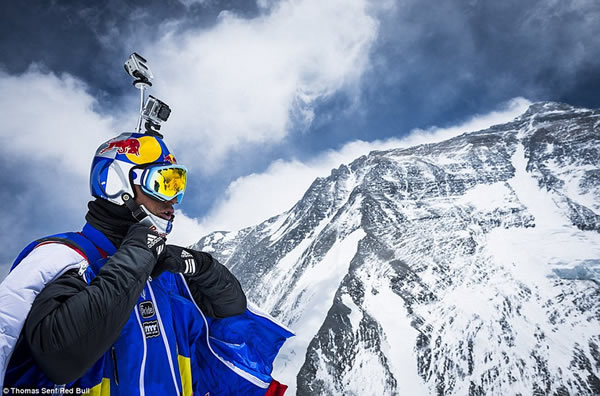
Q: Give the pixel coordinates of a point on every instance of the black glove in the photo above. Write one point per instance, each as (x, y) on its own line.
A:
(181, 260)
(214, 288)
(142, 236)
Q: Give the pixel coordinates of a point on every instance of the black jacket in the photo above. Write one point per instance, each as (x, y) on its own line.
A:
(72, 324)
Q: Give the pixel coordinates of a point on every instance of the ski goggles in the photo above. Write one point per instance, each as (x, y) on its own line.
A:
(164, 182)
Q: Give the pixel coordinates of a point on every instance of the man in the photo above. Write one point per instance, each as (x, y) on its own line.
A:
(117, 311)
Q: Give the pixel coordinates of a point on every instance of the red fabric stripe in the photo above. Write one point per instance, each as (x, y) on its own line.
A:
(276, 389)
(77, 250)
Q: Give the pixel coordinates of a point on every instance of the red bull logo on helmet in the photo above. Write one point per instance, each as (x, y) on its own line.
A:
(136, 149)
(169, 158)
(126, 146)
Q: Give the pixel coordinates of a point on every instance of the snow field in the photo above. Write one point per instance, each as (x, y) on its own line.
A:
(314, 291)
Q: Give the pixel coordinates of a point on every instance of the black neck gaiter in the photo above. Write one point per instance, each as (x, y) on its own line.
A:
(109, 218)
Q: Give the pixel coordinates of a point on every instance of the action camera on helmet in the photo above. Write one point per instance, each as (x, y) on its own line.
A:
(156, 110)
(137, 67)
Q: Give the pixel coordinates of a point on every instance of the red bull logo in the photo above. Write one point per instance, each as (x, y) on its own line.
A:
(169, 158)
(127, 146)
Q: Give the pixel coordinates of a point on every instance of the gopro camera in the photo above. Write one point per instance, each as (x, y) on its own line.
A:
(155, 110)
(136, 66)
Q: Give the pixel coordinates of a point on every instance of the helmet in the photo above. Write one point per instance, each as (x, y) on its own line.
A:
(137, 158)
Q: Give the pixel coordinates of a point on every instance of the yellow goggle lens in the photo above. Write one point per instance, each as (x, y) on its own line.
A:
(167, 182)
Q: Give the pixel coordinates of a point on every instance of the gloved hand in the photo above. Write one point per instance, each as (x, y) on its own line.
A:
(214, 288)
(177, 259)
(141, 236)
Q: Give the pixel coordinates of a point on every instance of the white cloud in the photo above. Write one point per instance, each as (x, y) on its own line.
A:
(50, 118)
(256, 197)
(186, 230)
(250, 81)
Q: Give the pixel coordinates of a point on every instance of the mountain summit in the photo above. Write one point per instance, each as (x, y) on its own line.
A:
(466, 267)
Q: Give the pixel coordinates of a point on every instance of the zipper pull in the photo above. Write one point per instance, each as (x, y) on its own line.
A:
(82, 268)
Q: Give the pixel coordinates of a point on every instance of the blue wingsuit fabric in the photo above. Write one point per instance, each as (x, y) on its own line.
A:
(168, 346)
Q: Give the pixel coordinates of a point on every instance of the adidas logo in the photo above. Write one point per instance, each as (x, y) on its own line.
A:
(190, 263)
(190, 266)
(153, 240)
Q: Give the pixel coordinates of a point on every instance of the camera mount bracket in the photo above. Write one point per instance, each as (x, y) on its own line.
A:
(152, 129)
(142, 85)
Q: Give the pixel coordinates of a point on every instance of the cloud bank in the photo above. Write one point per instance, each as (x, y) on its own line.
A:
(51, 118)
(252, 81)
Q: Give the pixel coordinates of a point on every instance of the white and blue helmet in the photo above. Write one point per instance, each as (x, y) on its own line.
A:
(142, 159)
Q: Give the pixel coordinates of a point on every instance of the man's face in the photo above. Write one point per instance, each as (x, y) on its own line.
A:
(163, 209)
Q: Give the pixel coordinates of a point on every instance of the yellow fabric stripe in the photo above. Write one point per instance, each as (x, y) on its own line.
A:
(102, 389)
(185, 372)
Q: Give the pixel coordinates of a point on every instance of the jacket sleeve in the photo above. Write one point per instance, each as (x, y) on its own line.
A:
(215, 289)
(72, 324)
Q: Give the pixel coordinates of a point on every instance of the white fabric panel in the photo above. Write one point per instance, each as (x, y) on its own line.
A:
(22, 285)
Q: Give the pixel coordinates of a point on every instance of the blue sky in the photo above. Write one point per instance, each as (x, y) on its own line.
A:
(265, 95)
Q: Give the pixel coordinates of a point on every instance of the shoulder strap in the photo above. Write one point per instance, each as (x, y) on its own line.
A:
(74, 240)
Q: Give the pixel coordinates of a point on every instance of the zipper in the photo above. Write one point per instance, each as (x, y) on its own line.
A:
(143, 365)
(164, 338)
(116, 370)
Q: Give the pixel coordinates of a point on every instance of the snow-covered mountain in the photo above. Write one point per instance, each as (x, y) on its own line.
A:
(466, 267)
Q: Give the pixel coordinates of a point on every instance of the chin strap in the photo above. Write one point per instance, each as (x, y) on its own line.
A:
(144, 216)
(136, 210)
